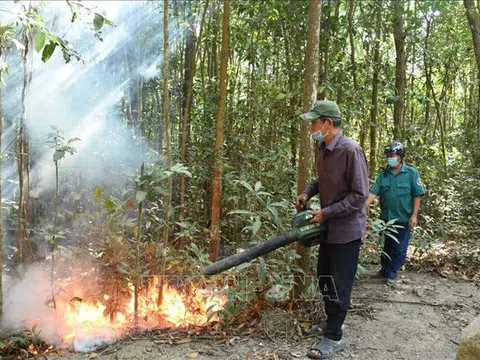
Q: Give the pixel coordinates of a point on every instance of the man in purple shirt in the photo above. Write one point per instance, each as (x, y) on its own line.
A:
(342, 185)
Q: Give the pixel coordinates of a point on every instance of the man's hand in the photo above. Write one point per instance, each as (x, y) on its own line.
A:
(413, 222)
(317, 217)
(371, 199)
(301, 202)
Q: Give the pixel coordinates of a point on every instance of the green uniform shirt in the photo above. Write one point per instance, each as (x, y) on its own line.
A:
(396, 192)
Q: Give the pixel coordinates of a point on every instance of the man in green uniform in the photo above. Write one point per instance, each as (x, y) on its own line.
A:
(399, 188)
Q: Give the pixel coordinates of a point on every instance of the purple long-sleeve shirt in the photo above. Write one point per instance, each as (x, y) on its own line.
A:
(342, 185)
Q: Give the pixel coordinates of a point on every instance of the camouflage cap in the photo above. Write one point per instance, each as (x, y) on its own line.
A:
(322, 108)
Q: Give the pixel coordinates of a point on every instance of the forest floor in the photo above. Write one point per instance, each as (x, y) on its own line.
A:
(422, 318)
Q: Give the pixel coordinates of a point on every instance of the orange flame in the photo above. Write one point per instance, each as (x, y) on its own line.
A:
(80, 320)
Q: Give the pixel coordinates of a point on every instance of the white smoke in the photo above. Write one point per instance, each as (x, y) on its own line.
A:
(82, 99)
(25, 304)
(28, 305)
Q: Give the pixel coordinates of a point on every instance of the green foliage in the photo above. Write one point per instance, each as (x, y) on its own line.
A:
(98, 21)
(56, 141)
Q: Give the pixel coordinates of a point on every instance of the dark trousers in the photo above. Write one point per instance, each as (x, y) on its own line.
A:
(394, 252)
(336, 269)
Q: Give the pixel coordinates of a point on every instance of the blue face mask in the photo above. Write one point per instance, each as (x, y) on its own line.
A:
(319, 136)
(392, 162)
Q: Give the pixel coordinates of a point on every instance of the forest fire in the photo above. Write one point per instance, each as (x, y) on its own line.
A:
(84, 325)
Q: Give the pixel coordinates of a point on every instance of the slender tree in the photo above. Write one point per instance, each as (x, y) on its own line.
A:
(428, 74)
(400, 65)
(473, 16)
(324, 43)
(191, 50)
(166, 117)
(374, 105)
(168, 147)
(22, 149)
(309, 96)
(353, 71)
(218, 163)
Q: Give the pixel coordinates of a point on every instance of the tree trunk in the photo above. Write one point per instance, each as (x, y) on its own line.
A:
(218, 165)
(293, 133)
(305, 154)
(428, 75)
(374, 107)
(439, 119)
(191, 51)
(474, 22)
(187, 97)
(412, 51)
(400, 72)
(324, 61)
(21, 216)
(168, 151)
(360, 122)
(166, 112)
(158, 106)
(351, 13)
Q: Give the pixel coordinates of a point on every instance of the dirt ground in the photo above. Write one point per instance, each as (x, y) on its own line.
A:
(422, 318)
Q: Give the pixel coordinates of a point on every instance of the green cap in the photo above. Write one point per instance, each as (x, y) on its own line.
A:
(322, 108)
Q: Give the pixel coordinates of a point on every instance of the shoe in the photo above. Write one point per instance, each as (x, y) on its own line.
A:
(391, 282)
(325, 349)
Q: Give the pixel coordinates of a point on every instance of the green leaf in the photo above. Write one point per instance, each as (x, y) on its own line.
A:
(98, 21)
(180, 168)
(110, 204)
(48, 51)
(4, 29)
(256, 226)
(140, 196)
(264, 193)
(58, 154)
(39, 41)
(98, 193)
(262, 269)
(258, 186)
(274, 214)
(241, 267)
(160, 190)
(393, 237)
(246, 185)
(73, 140)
